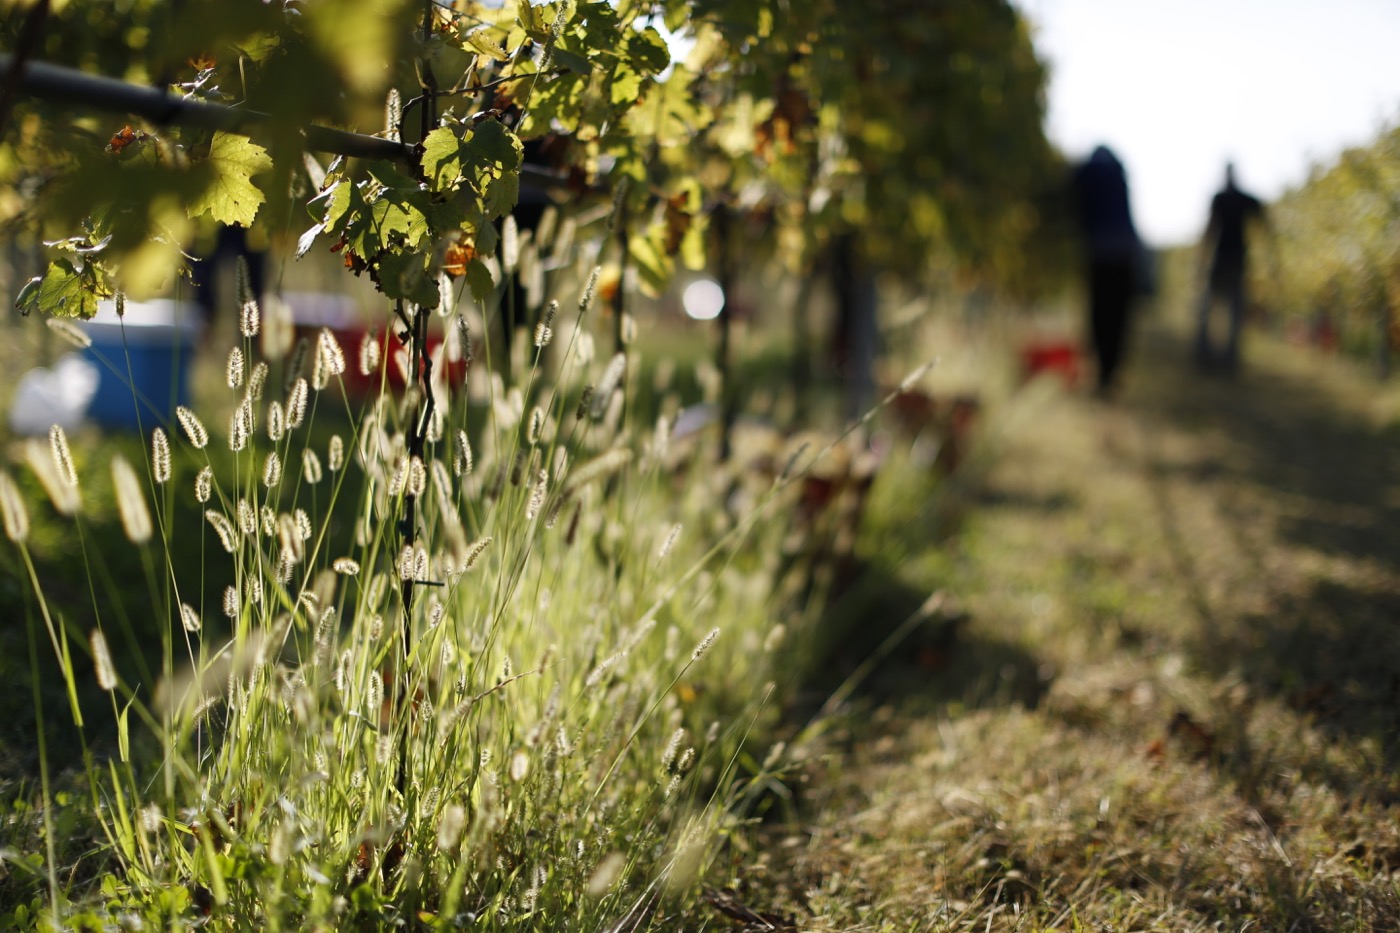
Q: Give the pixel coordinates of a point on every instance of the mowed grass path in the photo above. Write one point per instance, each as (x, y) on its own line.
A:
(1174, 703)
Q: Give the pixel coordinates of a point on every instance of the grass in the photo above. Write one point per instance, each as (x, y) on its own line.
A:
(555, 726)
(1165, 697)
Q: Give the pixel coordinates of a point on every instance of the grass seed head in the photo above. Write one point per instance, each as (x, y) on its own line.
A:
(189, 618)
(102, 661)
(272, 470)
(249, 318)
(399, 479)
(257, 381)
(310, 466)
(194, 428)
(705, 645)
(61, 493)
(12, 509)
(303, 524)
(240, 425)
(330, 359)
(464, 334)
(347, 566)
(417, 480)
(342, 668)
(551, 516)
(585, 401)
(537, 495)
(62, 456)
(510, 245)
(374, 695)
(393, 114)
(286, 567)
(296, 403)
(672, 749)
(586, 300)
(335, 453)
(234, 370)
(247, 517)
(474, 553)
(160, 455)
(536, 425)
(131, 501)
(462, 455)
(224, 528)
(231, 602)
(670, 541)
(276, 421)
(69, 332)
(369, 353)
(203, 484)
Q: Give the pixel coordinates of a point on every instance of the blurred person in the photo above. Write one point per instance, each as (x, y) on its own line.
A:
(1113, 254)
(212, 272)
(1224, 242)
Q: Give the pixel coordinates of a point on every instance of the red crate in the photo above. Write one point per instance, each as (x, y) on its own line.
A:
(1055, 357)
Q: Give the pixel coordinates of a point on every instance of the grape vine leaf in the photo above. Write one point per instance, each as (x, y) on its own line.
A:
(646, 51)
(63, 292)
(405, 275)
(654, 267)
(231, 197)
(626, 85)
(480, 280)
(486, 44)
(672, 114)
(484, 155)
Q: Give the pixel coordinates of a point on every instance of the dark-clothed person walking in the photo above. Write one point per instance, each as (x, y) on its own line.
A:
(1113, 248)
(1230, 212)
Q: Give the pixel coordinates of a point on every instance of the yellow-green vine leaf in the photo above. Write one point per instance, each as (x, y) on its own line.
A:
(654, 267)
(231, 197)
(480, 280)
(63, 292)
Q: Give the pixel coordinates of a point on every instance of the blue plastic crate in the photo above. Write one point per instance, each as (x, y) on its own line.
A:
(158, 340)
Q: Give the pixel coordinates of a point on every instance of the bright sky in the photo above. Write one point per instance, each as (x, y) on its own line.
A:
(1178, 87)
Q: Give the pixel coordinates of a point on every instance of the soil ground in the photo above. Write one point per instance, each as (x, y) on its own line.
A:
(1169, 695)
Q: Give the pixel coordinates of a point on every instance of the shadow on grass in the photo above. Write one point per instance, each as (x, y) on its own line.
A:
(1329, 645)
(939, 664)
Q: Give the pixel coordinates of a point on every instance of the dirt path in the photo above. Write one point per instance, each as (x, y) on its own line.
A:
(1175, 702)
